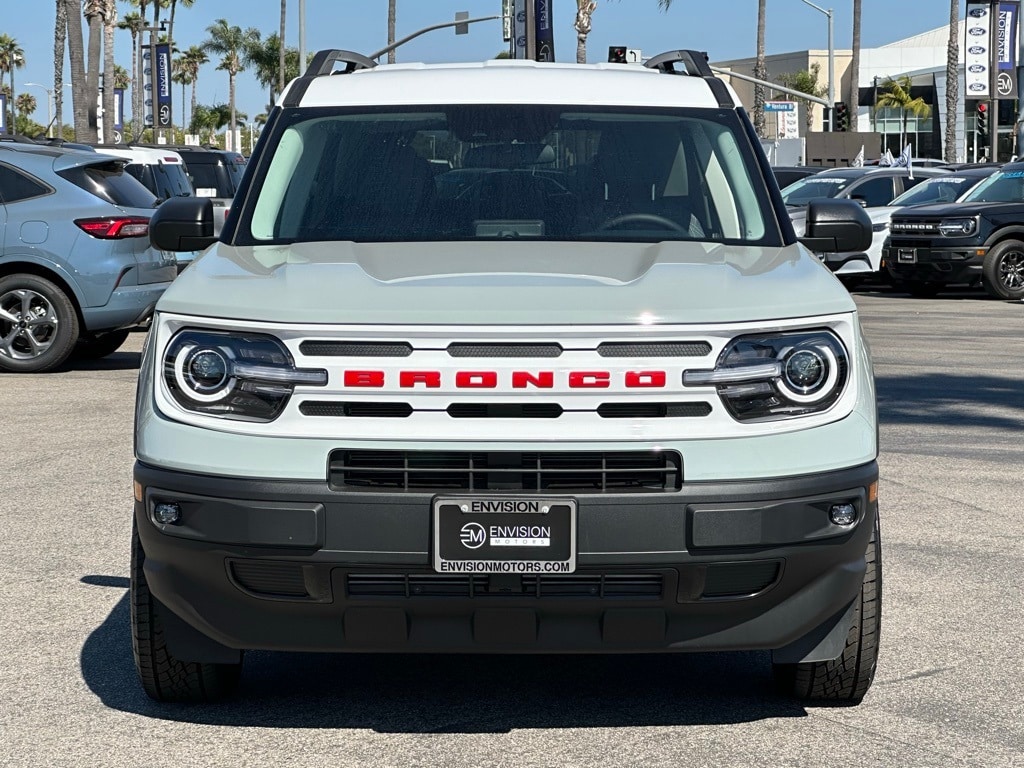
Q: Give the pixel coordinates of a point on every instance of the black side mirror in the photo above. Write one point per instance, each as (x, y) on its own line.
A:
(182, 224)
(836, 226)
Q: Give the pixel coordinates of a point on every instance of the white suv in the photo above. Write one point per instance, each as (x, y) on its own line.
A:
(506, 357)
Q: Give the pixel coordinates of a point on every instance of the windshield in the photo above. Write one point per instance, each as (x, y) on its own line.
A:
(477, 172)
(814, 187)
(941, 189)
(1000, 187)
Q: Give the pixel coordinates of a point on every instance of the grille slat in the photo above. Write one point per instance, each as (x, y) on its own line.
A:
(654, 349)
(383, 410)
(529, 472)
(504, 350)
(653, 410)
(504, 410)
(328, 348)
(597, 586)
(272, 579)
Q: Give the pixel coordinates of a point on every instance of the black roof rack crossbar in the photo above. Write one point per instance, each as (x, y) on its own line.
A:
(696, 63)
(323, 64)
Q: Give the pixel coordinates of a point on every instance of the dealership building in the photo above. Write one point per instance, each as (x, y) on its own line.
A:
(922, 58)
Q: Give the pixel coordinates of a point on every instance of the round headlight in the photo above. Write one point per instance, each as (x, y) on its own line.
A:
(805, 370)
(207, 370)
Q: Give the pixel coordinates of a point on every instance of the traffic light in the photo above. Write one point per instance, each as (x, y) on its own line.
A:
(982, 122)
(842, 116)
(617, 54)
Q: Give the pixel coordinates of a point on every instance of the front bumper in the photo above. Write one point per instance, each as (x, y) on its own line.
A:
(946, 266)
(293, 565)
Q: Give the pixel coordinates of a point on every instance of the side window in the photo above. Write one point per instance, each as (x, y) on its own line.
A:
(16, 186)
(874, 192)
(909, 183)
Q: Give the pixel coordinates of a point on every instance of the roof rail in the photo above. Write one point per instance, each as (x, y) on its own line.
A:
(696, 63)
(323, 64)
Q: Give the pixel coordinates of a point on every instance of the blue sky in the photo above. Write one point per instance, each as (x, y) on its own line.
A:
(725, 28)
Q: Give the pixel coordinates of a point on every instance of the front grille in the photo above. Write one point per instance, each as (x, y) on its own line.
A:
(504, 471)
(920, 227)
(739, 579)
(598, 586)
(654, 349)
(327, 348)
(653, 410)
(504, 350)
(270, 579)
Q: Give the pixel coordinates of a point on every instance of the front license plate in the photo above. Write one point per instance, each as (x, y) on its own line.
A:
(483, 534)
(906, 255)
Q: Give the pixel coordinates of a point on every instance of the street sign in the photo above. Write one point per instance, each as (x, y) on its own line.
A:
(977, 50)
(1006, 50)
(780, 106)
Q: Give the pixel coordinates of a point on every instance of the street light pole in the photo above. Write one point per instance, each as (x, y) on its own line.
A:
(49, 107)
(302, 36)
(831, 64)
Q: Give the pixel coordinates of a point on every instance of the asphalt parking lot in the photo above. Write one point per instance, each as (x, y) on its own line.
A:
(948, 690)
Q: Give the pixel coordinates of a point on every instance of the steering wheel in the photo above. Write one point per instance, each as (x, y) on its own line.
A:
(643, 218)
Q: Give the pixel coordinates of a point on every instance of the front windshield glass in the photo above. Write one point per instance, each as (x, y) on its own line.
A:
(941, 189)
(478, 172)
(813, 188)
(1000, 187)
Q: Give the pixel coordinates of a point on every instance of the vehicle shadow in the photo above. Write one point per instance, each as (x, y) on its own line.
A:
(951, 400)
(409, 693)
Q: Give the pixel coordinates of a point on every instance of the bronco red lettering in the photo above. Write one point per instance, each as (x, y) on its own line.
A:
(476, 379)
(430, 379)
(541, 379)
(592, 379)
(645, 378)
(364, 378)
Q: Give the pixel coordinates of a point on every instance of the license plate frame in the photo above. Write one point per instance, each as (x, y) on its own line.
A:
(504, 534)
(906, 255)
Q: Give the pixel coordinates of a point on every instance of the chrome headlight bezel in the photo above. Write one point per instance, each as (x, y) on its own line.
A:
(238, 376)
(960, 226)
(766, 377)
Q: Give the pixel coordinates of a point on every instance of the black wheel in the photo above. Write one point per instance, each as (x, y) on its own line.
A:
(1003, 270)
(920, 290)
(95, 347)
(848, 677)
(38, 324)
(164, 677)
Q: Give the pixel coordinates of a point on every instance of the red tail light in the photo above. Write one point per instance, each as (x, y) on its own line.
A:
(115, 227)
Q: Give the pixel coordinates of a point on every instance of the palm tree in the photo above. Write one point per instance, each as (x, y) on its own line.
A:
(108, 16)
(584, 13)
(170, 26)
(280, 53)
(183, 76)
(230, 42)
(60, 35)
(191, 60)
(12, 57)
(853, 102)
(761, 73)
(896, 94)
(952, 80)
(264, 57)
(93, 12)
(391, 30)
(134, 23)
(84, 131)
(806, 81)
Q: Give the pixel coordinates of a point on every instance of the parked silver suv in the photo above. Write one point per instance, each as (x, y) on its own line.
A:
(76, 267)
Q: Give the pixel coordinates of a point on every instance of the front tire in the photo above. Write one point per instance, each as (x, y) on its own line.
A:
(164, 677)
(847, 678)
(1003, 270)
(38, 324)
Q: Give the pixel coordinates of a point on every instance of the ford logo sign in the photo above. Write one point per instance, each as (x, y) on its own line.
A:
(977, 13)
(977, 31)
(977, 68)
(976, 87)
(976, 50)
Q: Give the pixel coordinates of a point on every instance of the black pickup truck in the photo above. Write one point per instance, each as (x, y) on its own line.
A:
(977, 240)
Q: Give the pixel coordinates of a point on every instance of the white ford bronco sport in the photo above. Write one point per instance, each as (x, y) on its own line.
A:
(506, 357)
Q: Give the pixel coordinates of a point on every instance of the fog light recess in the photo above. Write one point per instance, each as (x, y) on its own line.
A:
(167, 513)
(842, 514)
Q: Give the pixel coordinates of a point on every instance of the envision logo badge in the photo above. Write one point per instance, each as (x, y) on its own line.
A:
(473, 536)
